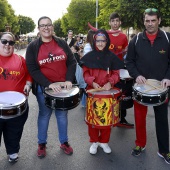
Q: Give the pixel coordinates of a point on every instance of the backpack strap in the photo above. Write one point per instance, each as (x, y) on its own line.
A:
(166, 36)
(137, 38)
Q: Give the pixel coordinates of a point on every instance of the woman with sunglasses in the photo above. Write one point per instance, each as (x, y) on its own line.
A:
(14, 78)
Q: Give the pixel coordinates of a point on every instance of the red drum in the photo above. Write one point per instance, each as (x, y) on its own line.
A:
(103, 108)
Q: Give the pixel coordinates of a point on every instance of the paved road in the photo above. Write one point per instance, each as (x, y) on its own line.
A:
(121, 142)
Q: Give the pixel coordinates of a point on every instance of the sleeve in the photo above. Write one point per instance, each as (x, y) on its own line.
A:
(28, 76)
(33, 67)
(131, 59)
(87, 77)
(114, 78)
(167, 76)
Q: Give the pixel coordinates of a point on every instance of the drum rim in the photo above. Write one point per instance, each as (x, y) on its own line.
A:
(150, 94)
(60, 97)
(17, 103)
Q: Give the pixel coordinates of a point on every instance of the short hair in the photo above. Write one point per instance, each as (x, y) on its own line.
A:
(43, 17)
(151, 12)
(114, 15)
(69, 31)
(10, 33)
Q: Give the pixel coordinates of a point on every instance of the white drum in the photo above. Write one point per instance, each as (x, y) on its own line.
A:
(150, 93)
(12, 104)
(124, 74)
(64, 100)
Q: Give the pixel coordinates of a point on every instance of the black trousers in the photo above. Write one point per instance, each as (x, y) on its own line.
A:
(12, 131)
(162, 127)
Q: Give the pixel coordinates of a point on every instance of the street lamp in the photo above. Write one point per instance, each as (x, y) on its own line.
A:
(96, 13)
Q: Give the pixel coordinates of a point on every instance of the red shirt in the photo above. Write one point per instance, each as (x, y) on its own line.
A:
(118, 44)
(52, 60)
(13, 73)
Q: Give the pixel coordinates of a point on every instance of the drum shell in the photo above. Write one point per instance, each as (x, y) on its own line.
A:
(126, 86)
(150, 99)
(151, 93)
(62, 103)
(110, 116)
(17, 104)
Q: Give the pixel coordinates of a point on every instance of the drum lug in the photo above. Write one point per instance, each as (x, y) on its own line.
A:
(53, 102)
(19, 110)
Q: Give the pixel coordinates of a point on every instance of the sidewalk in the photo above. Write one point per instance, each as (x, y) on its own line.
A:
(20, 52)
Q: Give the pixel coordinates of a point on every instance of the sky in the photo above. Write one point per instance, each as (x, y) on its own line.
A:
(38, 8)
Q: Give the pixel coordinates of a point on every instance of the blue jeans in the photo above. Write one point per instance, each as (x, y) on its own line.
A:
(44, 117)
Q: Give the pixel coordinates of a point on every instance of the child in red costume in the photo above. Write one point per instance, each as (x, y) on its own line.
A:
(95, 71)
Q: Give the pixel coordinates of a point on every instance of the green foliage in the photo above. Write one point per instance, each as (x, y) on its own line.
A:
(57, 28)
(26, 24)
(80, 12)
(7, 16)
(131, 11)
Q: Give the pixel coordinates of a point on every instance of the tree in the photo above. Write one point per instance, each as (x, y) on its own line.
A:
(26, 24)
(57, 28)
(7, 17)
(64, 24)
(131, 11)
(80, 12)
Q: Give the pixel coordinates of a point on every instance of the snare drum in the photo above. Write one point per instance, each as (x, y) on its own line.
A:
(126, 83)
(64, 100)
(12, 104)
(103, 108)
(148, 95)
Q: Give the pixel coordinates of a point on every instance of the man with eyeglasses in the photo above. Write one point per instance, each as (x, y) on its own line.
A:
(148, 57)
(49, 60)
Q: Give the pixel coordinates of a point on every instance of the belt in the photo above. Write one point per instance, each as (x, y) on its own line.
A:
(14, 110)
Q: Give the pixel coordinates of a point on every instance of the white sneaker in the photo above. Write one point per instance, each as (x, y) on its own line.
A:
(105, 147)
(93, 148)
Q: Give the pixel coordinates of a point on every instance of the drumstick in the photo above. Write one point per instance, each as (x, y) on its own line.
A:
(149, 90)
(95, 90)
(153, 86)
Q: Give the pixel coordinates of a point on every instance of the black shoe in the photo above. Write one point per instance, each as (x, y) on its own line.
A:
(165, 156)
(137, 150)
(11, 160)
(124, 123)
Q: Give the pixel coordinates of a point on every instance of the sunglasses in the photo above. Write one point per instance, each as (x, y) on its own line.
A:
(4, 41)
(151, 10)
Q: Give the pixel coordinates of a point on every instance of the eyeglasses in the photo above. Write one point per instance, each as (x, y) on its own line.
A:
(44, 26)
(4, 41)
(102, 41)
(151, 10)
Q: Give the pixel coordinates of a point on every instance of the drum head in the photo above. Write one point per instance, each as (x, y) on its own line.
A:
(150, 89)
(106, 92)
(64, 93)
(11, 98)
(124, 74)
